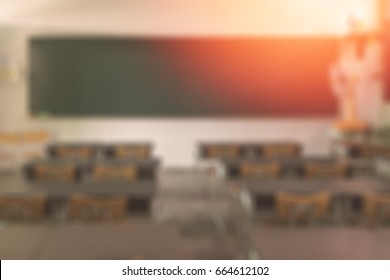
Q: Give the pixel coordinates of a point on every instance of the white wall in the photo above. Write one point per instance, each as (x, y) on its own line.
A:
(190, 16)
(175, 139)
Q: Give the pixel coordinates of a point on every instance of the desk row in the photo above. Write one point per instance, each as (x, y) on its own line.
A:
(77, 206)
(306, 167)
(288, 207)
(104, 170)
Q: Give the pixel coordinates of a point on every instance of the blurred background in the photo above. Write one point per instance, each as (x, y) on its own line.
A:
(194, 129)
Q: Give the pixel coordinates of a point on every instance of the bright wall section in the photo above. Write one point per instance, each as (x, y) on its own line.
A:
(175, 139)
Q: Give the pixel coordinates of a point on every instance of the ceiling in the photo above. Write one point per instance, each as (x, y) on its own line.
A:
(185, 16)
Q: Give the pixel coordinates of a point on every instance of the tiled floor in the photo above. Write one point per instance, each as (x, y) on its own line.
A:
(142, 239)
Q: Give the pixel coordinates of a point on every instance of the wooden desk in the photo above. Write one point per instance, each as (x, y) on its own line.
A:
(140, 192)
(351, 187)
(19, 185)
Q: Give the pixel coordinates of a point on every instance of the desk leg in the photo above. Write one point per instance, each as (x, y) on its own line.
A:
(58, 209)
(340, 213)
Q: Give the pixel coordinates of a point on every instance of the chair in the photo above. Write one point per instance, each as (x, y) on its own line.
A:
(96, 208)
(31, 208)
(366, 150)
(325, 170)
(131, 151)
(222, 151)
(58, 172)
(38, 136)
(280, 150)
(355, 150)
(34, 145)
(82, 152)
(296, 207)
(107, 172)
(380, 150)
(376, 208)
(9, 147)
(263, 170)
(18, 148)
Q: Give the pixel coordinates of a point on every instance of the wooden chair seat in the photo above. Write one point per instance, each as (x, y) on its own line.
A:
(302, 206)
(9, 139)
(137, 152)
(23, 208)
(91, 208)
(25, 146)
(376, 207)
(260, 170)
(365, 150)
(9, 147)
(29, 137)
(280, 150)
(114, 173)
(74, 152)
(223, 151)
(380, 151)
(325, 170)
(54, 172)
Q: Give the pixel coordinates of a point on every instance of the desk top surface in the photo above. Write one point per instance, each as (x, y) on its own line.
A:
(168, 181)
(18, 185)
(335, 186)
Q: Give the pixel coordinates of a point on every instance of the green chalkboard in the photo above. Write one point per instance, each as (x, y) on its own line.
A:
(180, 77)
